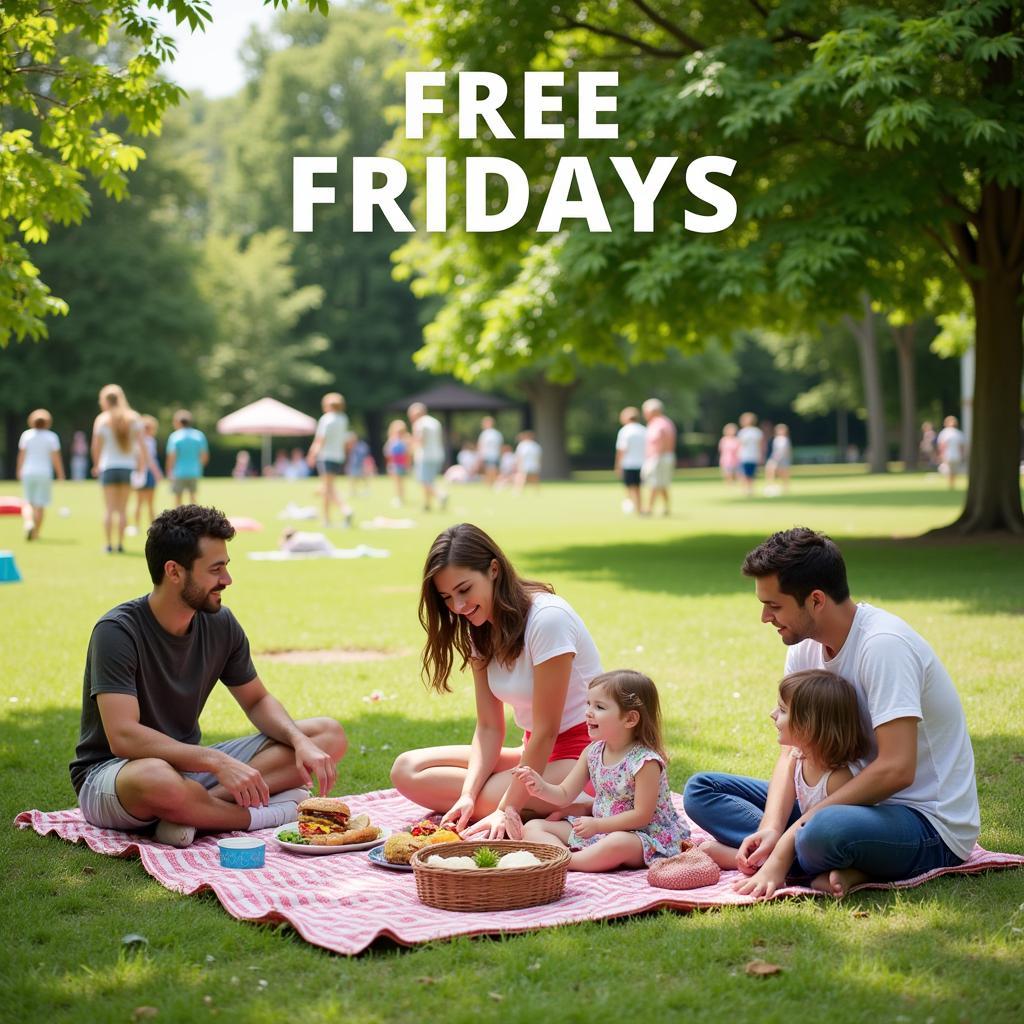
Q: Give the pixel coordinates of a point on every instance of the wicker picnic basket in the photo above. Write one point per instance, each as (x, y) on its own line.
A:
(490, 888)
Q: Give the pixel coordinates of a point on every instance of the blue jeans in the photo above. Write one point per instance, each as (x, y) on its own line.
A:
(886, 841)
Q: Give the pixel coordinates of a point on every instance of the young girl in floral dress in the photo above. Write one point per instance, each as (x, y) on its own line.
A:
(632, 821)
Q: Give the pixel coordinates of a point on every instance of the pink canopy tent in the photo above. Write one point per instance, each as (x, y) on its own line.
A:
(268, 418)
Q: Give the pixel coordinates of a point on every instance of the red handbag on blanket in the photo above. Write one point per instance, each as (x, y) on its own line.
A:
(691, 869)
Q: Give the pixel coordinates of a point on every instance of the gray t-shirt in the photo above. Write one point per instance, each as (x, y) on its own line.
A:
(170, 676)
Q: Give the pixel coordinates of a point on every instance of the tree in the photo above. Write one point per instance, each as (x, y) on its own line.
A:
(858, 132)
(326, 92)
(61, 86)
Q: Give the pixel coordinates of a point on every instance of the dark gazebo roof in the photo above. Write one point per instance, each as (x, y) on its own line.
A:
(454, 398)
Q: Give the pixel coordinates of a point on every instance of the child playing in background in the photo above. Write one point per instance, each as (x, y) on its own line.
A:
(817, 717)
(396, 451)
(779, 461)
(729, 453)
(144, 480)
(633, 820)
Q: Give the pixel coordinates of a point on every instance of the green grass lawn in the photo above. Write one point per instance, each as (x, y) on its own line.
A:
(663, 596)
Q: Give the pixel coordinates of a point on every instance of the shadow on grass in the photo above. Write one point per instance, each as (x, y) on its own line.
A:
(979, 576)
(953, 500)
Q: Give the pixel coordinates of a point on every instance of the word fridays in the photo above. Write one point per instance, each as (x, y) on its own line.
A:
(379, 182)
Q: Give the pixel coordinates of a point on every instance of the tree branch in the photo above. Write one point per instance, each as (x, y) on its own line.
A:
(654, 51)
(669, 26)
(944, 246)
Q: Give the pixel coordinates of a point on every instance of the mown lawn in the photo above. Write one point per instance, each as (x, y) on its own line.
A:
(664, 596)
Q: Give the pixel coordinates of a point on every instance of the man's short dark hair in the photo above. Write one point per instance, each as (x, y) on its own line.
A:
(175, 534)
(804, 560)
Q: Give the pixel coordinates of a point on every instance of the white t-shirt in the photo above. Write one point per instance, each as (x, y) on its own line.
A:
(897, 675)
(333, 428)
(38, 446)
(430, 436)
(750, 439)
(112, 455)
(782, 448)
(631, 441)
(552, 628)
(951, 442)
(489, 444)
(528, 455)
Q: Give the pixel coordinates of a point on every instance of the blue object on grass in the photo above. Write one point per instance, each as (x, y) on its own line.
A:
(242, 852)
(9, 568)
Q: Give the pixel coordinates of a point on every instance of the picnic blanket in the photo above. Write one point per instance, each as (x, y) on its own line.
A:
(343, 902)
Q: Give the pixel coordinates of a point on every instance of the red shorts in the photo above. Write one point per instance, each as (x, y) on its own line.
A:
(568, 745)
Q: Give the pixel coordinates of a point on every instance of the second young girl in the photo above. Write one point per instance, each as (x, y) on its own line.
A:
(633, 821)
(817, 717)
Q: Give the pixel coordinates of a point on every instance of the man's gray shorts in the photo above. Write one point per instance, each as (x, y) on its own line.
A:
(98, 797)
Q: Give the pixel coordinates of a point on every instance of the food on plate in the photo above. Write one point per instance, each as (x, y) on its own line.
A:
(326, 821)
(400, 846)
(433, 832)
(292, 836)
(443, 835)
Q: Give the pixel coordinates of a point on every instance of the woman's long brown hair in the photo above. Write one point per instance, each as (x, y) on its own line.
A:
(468, 547)
(120, 414)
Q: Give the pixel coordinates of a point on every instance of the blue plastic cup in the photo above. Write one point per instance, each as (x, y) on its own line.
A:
(242, 852)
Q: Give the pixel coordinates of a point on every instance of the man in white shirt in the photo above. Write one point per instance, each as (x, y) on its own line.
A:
(952, 445)
(427, 453)
(630, 451)
(913, 805)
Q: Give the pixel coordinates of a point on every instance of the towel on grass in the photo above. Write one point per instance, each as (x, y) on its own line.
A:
(343, 902)
(361, 551)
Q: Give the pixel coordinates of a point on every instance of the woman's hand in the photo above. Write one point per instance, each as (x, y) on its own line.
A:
(459, 813)
(754, 850)
(768, 879)
(493, 826)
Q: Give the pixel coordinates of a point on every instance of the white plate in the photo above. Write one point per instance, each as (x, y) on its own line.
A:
(378, 858)
(293, 826)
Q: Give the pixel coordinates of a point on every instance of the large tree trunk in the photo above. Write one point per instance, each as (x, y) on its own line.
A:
(867, 347)
(993, 491)
(549, 403)
(904, 337)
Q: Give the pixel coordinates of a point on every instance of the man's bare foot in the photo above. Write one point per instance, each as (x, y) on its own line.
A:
(838, 882)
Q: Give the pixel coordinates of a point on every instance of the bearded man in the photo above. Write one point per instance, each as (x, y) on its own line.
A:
(152, 664)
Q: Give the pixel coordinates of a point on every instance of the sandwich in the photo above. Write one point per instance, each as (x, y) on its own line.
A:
(326, 821)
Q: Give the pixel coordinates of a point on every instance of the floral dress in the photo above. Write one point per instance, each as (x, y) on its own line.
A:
(615, 793)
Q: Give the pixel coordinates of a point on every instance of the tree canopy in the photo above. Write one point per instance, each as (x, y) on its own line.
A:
(858, 132)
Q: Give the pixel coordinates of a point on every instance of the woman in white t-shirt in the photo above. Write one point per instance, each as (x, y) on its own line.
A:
(38, 462)
(117, 450)
(329, 452)
(528, 649)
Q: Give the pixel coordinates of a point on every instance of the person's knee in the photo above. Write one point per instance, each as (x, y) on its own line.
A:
(697, 788)
(534, 830)
(403, 770)
(819, 841)
(152, 782)
(330, 737)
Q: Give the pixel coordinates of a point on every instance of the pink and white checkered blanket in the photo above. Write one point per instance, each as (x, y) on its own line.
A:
(344, 902)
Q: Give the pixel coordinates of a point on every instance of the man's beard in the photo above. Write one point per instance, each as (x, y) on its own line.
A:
(198, 599)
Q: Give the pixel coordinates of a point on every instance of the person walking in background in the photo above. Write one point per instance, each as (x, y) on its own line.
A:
(488, 447)
(630, 447)
(187, 454)
(751, 448)
(396, 454)
(660, 454)
(927, 448)
(952, 445)
(729, 453)
(529, 456)
(39, 462)
(427, 453)
(779, 460)
(144, 481)
(355, 467)
(79, 456)
(117, 449)
(327, 453)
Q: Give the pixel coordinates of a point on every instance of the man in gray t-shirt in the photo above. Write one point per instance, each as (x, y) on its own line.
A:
(151, 666)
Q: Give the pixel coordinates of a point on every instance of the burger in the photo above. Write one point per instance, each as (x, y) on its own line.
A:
(326, 821)
(322, 815)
